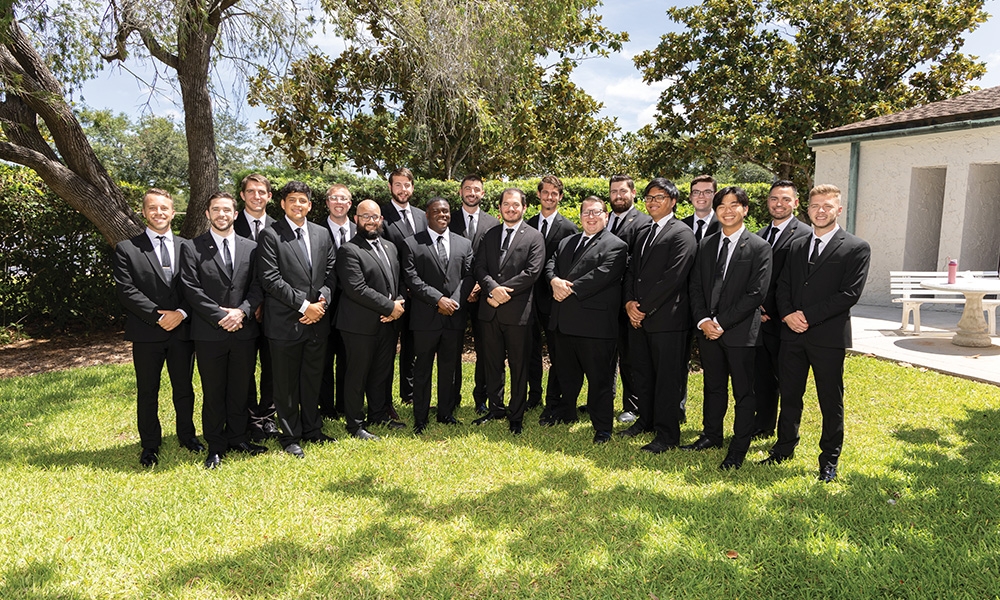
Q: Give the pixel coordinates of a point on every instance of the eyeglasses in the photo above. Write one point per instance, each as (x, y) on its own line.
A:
(366, 218)
(656, 198)
(338, 198)
(594, 212)
(702, 193)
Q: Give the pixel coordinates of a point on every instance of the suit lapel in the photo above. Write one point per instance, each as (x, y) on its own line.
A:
(381, 265)
(217, 257)
(515, 239)
(647, 247)
(832, 247)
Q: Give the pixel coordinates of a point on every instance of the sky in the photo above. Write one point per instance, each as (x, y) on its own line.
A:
(613, 81)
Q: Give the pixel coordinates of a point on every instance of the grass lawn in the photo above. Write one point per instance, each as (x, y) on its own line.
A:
(473, 512)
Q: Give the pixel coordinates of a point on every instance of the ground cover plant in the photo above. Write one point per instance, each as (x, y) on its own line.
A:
(473, 512)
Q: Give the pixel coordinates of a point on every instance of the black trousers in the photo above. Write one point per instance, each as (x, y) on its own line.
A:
(223, 366)
(510, 342)
(479, 385)
(261, 408)
(722, 364)
(765, 383)
(446, 344)
(405, 358)
(828, 370)
(621, 362)
(368, 365)
(148, 359)
(553, 392)
(659, 366)
(298, 371)
(331, 390)
(579, 357)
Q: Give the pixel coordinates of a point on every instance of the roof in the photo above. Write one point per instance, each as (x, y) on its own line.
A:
(981, 104)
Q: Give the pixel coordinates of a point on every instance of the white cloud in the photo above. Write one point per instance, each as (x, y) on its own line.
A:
(633, 88)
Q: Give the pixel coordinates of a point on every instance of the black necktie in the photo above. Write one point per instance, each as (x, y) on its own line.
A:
(227, 258)
(506, 243)
(165, 257)
(343, 237)
(406, 219)
(616, 224)
(303, 247)
(581, 247)
(470, 231)
(380, 251)
(545, 228)
(773, 235)
(815, 253)
(720, 275)
(698, 232)
(256, 228)
(442, 253)
(652, 236)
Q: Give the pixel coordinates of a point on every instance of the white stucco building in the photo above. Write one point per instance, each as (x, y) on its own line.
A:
(921, 186)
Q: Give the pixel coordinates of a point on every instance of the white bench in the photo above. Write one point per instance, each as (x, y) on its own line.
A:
(906, 285)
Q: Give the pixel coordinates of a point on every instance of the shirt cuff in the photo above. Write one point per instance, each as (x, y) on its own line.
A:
(304, 307)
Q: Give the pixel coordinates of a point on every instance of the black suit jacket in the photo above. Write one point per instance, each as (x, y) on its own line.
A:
(428, 280)
(743, 288)
(143, 289)
(658, 278)
(560, 229)
(826, 294)
(369, 287)
(207, 287)
(352, 230)
(242, 228)
(592, 309)
(396, 229)
(632, 227)
(288, 281)
(520, 269)
(460, 220)
(712, 227)
(793, 230)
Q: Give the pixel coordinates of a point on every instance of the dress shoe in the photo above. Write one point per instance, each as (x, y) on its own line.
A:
(516, 428)
(418, 428)
(602, 437)
(449, 420)
(149, 457)
(248, 448)
(731, 462)
(702, 443)
(627, 417)
(363, 434)
(330, 415)
(546, 421)
(267, 431)
(632, 431)
(484, 419)
(193, 445)
(408, 400)
(828, 473)
(774, 459)
(657, 446)
(322, 438)
(762, 434)
(481, 408)
(391, 423)
(295, 450)
(583, 408)
(393, 415)
(532, 405)
(213, 461)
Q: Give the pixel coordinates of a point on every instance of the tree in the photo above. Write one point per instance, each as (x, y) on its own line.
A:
(181, 38)
(752, 81)
(442, 86)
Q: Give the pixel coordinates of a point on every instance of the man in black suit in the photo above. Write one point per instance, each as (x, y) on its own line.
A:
(331, 391)
(554, 228)
(509, 261)
(472, 222)
(400, 221)
(368, 317)
(255, 190)
(585, 276)
(656, 301)
(728, 282)
(823, 277)
(296, 263)
(783, 230)
(220, 282)
(628, 224)
(437, 269)
(156, 324)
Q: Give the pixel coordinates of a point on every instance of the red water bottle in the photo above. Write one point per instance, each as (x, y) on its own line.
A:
(952, 270)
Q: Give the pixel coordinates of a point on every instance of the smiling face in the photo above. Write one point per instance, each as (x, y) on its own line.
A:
(781, 203)
(472, 193)
(338, 202)
(593, 217)
(659, 203)
(438, 215)
(296, 206)
(701, 197)
(255, 198)
(549, 197)
(511, 208)
(369, 219)
(158, 211)
(622, 196)
(221, 213)
(823, 212)
(730, 214)
(401, 189)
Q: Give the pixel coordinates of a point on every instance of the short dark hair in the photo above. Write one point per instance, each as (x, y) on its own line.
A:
(401, 172)
(784, 183)
(434, 200)
(625, 178)
(520, 194)
(553, 181)
(295, 187)
(470, 177)
(222, 195)
(255, 177)
(592, 200)
(664, 184)
(740, 193)
(704, 179)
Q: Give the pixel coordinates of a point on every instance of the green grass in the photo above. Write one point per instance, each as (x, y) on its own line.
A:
(476, 513)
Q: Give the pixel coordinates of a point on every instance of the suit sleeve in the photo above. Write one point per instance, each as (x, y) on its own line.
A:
(675, 273)
(270, 272)
(419, 288)
(696, 294)
(255, 293)
(194, 293)
(851, 286)
(351, 274)
(130, 296)
(330, 283)
(610, 269)
(482, 270)
(468, 278)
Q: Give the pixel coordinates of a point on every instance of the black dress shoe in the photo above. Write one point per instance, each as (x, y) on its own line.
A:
(248, 448)
(322, 438)
(632, 431)
(213, 461)
(656, 447)
(391, 423)
(516, 428)
(546, 421)
(828, 473)
(267, 431)
(481, 409)
(702, 443)
(532, 405)
(762, 434)
(449, 420)
(408, 401)
(418, 428)
(193, 444)
(731, 462)
(393, 415)
(583, 408)
(484, 419)
(774, 459)
(149, 457)
(602, 437)
(363, 434)
(295, 450)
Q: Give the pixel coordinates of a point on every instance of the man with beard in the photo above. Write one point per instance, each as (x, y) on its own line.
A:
(437, 269)
(219, 276)
(472, 222)
(368, 318)
(509, 261)
(401, 220)
(296, 264)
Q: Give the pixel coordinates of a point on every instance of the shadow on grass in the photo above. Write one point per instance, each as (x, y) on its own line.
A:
(34, 576)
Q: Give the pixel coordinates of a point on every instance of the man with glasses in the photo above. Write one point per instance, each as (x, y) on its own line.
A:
(703, 221)
(656, 301)
(331, 391)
